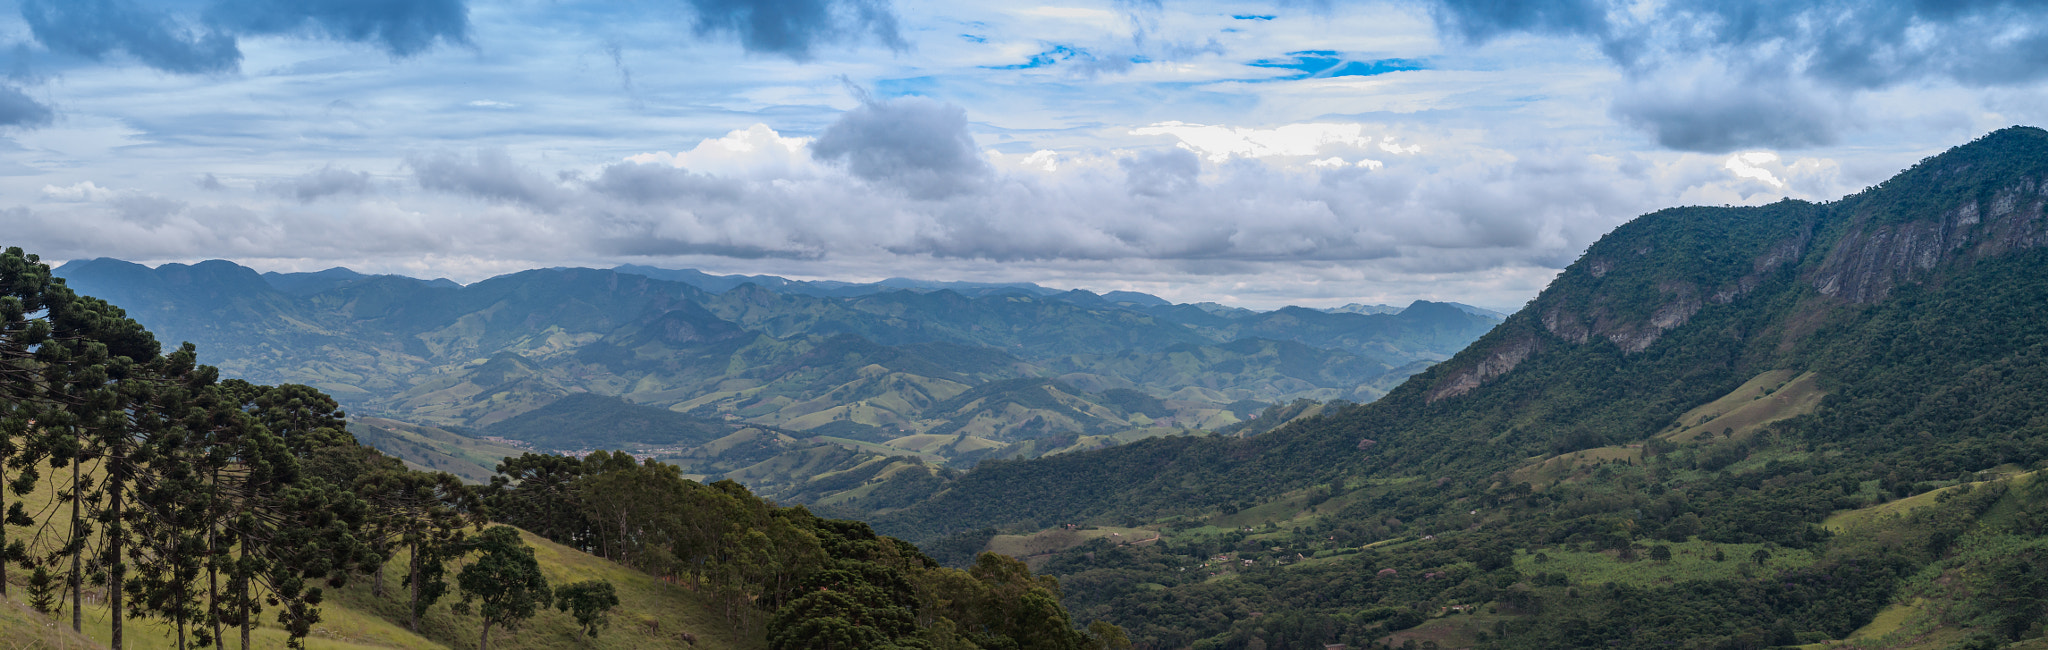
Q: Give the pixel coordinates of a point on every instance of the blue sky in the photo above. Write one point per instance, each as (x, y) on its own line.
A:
(1251, 153)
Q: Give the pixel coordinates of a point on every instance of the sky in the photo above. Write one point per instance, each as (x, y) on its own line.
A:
(1259, 154)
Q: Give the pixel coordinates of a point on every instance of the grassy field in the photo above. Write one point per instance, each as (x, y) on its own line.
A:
(1047, 541)
(1767, 398)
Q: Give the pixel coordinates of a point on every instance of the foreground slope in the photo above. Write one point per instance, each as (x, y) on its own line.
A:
(1906, 326)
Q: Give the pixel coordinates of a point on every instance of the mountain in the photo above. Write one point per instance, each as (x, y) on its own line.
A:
(819, 377)
(829, 288)
(1720, 427)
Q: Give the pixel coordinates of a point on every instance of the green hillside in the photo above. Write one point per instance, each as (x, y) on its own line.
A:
(1703, 382)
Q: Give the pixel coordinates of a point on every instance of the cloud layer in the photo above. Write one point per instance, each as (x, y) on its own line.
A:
(1261, 154)
(1715, 75)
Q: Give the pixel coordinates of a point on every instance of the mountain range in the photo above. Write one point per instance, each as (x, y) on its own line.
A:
(939, 372)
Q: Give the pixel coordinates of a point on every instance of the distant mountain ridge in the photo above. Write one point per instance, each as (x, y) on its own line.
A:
(869, 370)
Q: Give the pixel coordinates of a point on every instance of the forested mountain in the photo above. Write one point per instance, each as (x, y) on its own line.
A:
(1720, 427)
(878, 370)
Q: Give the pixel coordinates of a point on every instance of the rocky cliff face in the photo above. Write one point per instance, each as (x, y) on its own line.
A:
(1870, 260)
(1655, 274)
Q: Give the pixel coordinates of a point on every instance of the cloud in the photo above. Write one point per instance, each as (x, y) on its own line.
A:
(1746, 165)
(402, 28)
(912, 143)
(490, 175)
(755, 152)
(1481, 20)
(326, 181)
(95, 29)
(1718, 75)
(647, 183)
(17, 109)
(1220, 143)
(1161, 173)
(1704, 108)
(793, 28)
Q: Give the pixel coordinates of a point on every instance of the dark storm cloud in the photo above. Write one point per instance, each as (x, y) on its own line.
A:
(1791, 63)
(400, 27)
(19, 110)
(793, 28)
(913, 143)
(95, 29)
(1480, 20)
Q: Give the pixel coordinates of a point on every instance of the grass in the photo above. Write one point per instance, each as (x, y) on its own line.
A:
(1054, 539)
(1767, 398)
(1690, 560)
(652, 613)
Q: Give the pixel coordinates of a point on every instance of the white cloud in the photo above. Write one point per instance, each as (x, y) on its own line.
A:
(81, 191)
(1219, 143)
(754, 152)
(1745, 165)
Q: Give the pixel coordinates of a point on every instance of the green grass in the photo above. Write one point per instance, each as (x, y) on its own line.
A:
(652, 613)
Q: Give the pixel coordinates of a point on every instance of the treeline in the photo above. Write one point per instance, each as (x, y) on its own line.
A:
(810, 582)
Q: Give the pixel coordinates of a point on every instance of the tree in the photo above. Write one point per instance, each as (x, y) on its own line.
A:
(1660, 553)
(505, 580)
(589, 601)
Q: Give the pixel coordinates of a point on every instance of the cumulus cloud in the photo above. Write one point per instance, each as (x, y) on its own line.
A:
(489, 174)
(1717, 75)
(1161, 173)
(325, 181)
(794, 28)
(916, 144)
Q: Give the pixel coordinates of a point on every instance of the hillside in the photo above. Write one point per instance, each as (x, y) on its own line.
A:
(1702, 380)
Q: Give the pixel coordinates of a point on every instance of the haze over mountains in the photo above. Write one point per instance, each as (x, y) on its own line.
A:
(934, 370)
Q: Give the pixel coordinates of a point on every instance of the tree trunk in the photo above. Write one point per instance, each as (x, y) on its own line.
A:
(485, 644)
(117, 571)
(377, 584)
(213, 564)
(78, 555)
(412, 611)
(242, 593)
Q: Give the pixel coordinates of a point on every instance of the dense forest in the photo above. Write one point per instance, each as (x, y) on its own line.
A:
(175, 496)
